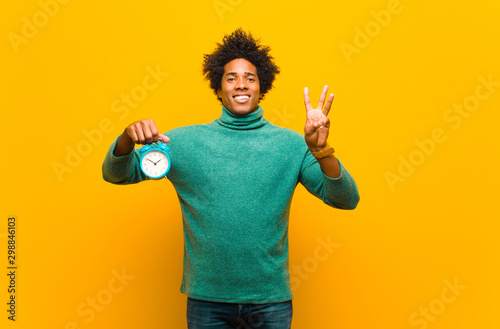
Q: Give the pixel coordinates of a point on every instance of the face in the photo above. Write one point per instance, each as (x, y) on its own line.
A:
(240, 87)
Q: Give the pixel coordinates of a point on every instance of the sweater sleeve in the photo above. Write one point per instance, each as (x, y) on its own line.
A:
(123, 169)
(341, 192)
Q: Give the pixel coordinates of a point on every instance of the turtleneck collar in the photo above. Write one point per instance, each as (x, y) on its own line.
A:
(250, 121)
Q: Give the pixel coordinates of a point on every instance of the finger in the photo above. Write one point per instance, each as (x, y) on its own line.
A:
(132, 134)
(328, 104)
(322, 97)
(164, 138)
(325, 122)
(141, 139)
(307, 100)
(146, 130)
(155, 134)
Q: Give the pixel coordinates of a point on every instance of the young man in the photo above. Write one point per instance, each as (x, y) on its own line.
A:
(235, 178)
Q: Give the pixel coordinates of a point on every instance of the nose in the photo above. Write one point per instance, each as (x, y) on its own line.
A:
(241, 84)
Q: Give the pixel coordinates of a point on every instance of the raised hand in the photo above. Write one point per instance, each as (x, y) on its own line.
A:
(317, 124)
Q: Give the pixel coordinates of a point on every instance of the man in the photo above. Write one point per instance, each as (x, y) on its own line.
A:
(235, 178)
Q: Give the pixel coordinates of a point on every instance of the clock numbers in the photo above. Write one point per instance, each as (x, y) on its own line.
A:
(155, 164)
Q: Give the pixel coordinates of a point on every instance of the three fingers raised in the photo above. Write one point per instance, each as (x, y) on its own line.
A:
(328, 104)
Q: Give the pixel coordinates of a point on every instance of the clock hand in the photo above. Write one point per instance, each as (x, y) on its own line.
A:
(156, 162)
(151, 161)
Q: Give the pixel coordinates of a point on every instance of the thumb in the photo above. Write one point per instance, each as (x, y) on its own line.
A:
(164, 138)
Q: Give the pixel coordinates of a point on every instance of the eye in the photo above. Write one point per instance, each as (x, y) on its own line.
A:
(251, 79)
(231, 79)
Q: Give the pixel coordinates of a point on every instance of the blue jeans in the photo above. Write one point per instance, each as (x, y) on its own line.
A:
(205, 314)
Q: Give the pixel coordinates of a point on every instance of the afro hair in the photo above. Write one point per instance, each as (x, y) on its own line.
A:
(240, 45)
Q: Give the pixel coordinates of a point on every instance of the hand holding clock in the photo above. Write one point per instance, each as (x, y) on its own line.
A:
(138, 132)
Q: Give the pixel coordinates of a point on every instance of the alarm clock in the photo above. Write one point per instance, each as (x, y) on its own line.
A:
(155, 162)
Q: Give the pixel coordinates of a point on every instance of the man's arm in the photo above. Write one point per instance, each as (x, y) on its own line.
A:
(341, 192)
(336, 187)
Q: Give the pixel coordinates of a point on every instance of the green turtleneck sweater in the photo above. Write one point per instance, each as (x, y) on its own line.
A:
(235, 178)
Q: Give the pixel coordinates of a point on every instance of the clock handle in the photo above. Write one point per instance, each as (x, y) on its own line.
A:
(144, 148)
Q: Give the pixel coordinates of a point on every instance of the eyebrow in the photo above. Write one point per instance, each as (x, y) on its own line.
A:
(235, 73)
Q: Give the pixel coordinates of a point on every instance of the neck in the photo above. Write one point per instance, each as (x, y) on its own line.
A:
(251, 120)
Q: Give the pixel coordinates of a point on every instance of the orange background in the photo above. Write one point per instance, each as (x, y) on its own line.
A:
(411, 121)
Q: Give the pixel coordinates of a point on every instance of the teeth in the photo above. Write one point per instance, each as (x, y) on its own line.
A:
(241, 97)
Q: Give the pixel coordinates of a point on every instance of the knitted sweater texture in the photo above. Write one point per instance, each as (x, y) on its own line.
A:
(235, 178)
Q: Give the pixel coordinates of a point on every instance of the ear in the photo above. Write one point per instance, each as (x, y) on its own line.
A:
(219, 93)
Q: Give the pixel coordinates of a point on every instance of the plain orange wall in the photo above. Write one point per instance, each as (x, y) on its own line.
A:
(415, 120)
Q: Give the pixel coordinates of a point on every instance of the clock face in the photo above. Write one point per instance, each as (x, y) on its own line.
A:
(155, 164)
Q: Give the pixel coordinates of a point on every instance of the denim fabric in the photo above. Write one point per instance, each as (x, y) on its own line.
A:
(206, 314)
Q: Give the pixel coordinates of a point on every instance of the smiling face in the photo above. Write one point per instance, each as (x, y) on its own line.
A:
(240, 87)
